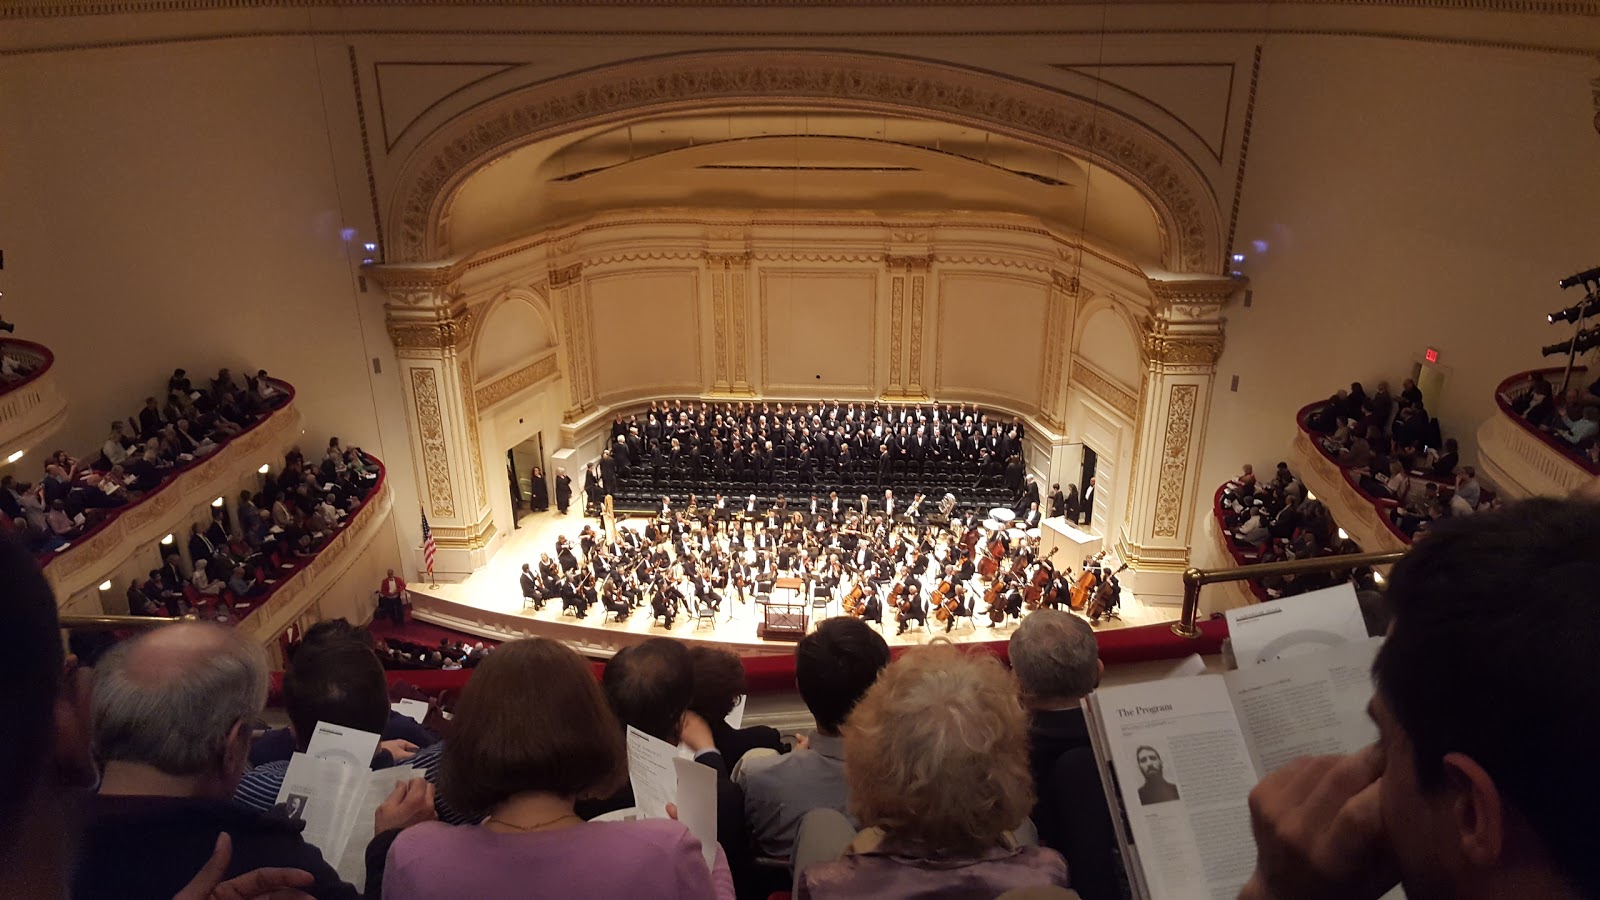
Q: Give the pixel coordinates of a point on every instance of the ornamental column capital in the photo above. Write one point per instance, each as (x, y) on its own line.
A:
(418, 285)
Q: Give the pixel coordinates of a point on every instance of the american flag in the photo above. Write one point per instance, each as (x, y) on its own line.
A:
(428, 546)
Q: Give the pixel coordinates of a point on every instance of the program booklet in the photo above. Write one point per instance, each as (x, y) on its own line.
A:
(1178, 758)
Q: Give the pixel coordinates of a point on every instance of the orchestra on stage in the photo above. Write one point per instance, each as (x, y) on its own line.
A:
(885, 561)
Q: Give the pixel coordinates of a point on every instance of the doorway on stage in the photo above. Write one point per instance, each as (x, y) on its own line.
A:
(527, 478)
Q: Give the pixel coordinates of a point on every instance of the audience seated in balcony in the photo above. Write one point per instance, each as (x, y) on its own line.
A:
(834, 667)
(172, 717)
(506, 765)
(938, 769)
(1272, 522)
(939, 779)
(1057, 662)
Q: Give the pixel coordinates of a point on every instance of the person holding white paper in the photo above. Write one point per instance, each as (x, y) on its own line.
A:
(1485, 688)
(521, 760)
(172, 714)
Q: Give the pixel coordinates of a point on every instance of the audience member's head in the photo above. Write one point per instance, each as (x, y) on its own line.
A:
(835, 665)
(339, 682)
(937, 753)
(1056, 658)
(650, 685)
(180, 701)
(1489, 666)
(719, 681)
(506, 740)
(45, 752)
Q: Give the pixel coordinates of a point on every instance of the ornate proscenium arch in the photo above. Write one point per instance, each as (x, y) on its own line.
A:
(1184, 203)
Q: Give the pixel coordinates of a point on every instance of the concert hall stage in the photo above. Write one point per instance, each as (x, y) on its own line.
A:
(489, 603)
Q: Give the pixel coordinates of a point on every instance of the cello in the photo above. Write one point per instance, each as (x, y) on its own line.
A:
(990, 564)
(1104, 597)
(855, 601)
(944, 601)
(997, 610)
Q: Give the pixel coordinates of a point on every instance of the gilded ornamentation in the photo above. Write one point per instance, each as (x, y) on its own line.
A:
(437, 335)
(1201, 351)
(566, 275)
(1174, 458)
(506, 385)
(741, 353)
(430, 432)
(1183, 200)
(415, 285)
(897, 321)
(719, 324)
(908, 263)
(1115, 396)
(470, 411)
(918, 292)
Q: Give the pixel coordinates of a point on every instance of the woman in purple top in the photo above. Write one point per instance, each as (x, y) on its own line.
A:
(521, 758)
(936, 756)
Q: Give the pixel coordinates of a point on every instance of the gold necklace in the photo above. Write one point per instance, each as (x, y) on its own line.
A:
(516, 827)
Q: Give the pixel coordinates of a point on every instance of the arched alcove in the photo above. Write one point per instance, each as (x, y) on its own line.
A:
(514, 331)
(1108, 341)
(1184, 203)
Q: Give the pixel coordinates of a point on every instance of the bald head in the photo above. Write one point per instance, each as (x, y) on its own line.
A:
(171, 698)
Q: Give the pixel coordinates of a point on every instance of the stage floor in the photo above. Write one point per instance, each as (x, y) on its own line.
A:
(489, 603)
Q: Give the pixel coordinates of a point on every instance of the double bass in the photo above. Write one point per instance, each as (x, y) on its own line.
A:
(996, 610)
(1104, 600)
(1033, 594)
(1084, 591)
(990, 564)
(855, 602)
(944, 599)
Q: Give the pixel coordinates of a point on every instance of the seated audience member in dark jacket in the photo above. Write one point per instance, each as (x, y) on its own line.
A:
(719, 685)
(1057, 662)
(650, 686)
(172, 712)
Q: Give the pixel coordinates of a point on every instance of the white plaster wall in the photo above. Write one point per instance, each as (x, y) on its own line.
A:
(1410, 195)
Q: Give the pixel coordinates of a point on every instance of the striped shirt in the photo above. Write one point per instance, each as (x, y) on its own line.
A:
(259, 787)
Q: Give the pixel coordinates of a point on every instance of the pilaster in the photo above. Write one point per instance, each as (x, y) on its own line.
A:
(1180, 345)
(432, 327)
(730, 312)
(571, 306)
(908, 299)
(1058, 317)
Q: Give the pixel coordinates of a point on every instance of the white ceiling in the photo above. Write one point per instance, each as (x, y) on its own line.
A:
(776, 160)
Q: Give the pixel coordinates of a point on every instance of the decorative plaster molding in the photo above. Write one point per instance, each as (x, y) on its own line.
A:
(638, 256)
(726, 260)
(908, 263)
(416, 285)
(918, 296)
(1197, 351)
(1195, 300)
(506, 385)
(1114, 395)
(1174, 186)
(470, 413)
(1181, 402)
(565, 275)
(800, 256)
(1066, 284)
(897, 323)
(719, 326)
(435, 336)
(430, 434)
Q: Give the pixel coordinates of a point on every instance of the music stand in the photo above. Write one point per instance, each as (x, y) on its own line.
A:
(784, 620)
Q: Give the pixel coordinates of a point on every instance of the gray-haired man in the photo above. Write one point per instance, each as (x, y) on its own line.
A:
(1057, 662)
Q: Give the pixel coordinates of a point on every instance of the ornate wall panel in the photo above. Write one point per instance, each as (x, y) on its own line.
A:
(990, 334)
(819, 329)
(507, 385)
(431, 435)
(1174, 458)
(645, 325)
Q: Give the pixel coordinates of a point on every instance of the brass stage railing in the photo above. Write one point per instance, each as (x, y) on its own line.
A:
(1194, 579)
(115, 623)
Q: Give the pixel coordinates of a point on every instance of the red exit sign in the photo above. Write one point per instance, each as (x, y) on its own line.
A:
(1431, 355)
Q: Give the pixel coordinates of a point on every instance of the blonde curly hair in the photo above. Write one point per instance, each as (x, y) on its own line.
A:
(936, 753)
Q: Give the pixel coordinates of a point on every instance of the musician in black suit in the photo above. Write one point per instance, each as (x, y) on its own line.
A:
(530, 588)
(912, 608)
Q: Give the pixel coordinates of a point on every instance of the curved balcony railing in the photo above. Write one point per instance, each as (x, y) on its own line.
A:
(1367, 517)
(306, 580)
(32, 407)
(97, 552)
(1523, 459)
